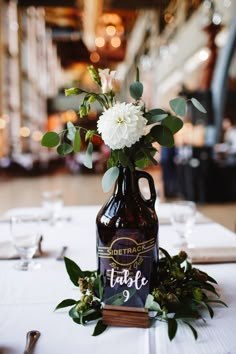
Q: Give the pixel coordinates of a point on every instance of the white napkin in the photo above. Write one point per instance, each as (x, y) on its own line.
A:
(211, 254)
(200, 219)
(7, 250)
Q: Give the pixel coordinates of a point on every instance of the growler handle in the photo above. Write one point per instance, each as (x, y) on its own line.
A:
(143, 174)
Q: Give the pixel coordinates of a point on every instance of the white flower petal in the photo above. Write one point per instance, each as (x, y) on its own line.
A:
(121, 125)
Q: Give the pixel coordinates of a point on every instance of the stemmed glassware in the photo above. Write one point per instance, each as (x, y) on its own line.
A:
(25, 232)
(182, 216)
(52, 203)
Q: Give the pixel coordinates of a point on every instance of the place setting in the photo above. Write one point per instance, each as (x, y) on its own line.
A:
(192, 230)
(25, 240)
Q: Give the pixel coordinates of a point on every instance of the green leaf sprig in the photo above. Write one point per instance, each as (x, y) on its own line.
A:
(181, 295)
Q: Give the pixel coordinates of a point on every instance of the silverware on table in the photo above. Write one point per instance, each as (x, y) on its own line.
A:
(60, 257)
(31, 339)
(40, 251)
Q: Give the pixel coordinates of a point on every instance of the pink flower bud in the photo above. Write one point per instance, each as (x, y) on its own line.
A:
(108, 81)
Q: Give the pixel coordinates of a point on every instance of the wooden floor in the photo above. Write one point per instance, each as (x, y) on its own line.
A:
(85, 189)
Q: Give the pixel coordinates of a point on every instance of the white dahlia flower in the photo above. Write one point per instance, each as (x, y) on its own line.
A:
(121, 125)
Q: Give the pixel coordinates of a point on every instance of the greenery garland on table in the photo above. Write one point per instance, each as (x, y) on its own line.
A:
(183, 292)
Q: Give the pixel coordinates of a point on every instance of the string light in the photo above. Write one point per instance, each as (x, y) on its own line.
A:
(94, 57)
(24, 132)
(116, 42)
(100, 42)
(110, 30)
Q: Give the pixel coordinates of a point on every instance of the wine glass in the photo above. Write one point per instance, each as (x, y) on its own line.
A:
(25, 232)
(182, 216)
(52, 203)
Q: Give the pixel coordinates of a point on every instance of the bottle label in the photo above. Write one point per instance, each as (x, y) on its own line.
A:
(126, 265)
(126, 252)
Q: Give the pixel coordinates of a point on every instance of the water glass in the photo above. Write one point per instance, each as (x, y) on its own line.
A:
(182, 216)
(25, 232)
(52, 203)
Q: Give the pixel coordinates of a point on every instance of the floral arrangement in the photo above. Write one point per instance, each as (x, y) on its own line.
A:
(128, 129)
(181, 296)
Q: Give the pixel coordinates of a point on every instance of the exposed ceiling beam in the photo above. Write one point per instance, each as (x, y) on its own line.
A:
(92, 11)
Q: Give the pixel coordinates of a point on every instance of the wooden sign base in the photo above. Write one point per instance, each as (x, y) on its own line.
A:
(123, 316)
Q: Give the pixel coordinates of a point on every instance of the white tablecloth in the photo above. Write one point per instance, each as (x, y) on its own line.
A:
(28, 299)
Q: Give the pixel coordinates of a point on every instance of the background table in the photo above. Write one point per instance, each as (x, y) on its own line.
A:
(28, 299)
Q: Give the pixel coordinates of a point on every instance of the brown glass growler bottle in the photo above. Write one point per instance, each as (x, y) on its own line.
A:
(127, 239)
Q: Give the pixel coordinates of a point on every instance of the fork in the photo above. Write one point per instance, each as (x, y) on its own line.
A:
(60, 257)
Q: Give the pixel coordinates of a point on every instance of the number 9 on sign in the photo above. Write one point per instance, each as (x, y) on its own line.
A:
(126, 295)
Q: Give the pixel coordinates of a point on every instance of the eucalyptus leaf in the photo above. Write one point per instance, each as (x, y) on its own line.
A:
(157, 118)
(77, 141)
(151, 304)
(109, 178)
(179, 106)
(99, 328)
(65, 303)
(50, 139)
(155, 115)
(136, 90)
(88, 159)
(173, 123)
(157, 111)
(172, 327)
(162, 135)
(64, 149)
(73, 270)
(155, 306)
(71, 131)
(149, 301)
(198, 105)
(74, 313)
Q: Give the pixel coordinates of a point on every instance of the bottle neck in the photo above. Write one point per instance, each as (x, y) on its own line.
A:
(126, 183)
